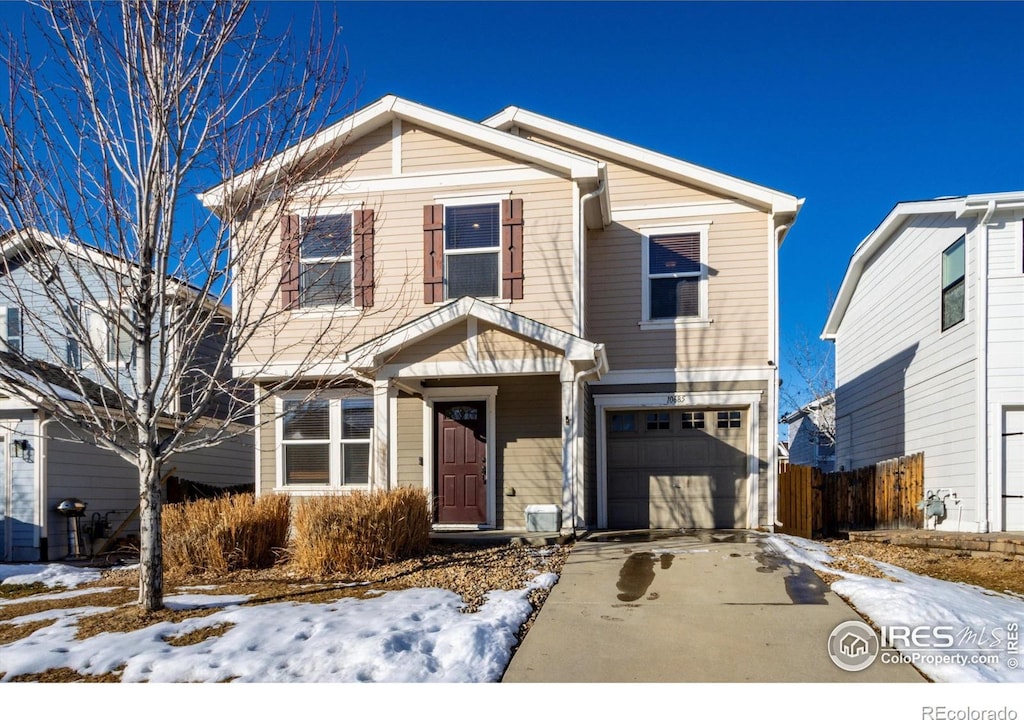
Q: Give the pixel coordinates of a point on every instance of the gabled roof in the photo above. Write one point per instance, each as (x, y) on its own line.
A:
(983, 204)
(574, 347)
(609, 147)
(45, 380)
(382, 112)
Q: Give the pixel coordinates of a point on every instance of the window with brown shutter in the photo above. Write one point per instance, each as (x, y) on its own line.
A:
(512, 249)
(363, 258)
(289, 262)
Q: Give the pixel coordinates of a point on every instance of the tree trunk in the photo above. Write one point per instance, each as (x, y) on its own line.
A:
(151, 563)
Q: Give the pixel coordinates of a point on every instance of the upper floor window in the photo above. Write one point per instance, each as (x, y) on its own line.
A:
(325, 259)
(471, 250)
(12, 329)
(473, 247)
(953, 283)
(675, 274)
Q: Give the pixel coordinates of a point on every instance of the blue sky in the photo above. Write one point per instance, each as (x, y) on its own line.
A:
(853, 106)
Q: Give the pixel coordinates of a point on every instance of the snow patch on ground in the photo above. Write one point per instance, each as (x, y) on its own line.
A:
(49, 574)
(978, 618)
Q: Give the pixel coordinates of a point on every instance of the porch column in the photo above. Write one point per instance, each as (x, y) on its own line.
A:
(379, 480)
(571, 509)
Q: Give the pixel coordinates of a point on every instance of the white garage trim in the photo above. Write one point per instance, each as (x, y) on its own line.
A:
(751, 400)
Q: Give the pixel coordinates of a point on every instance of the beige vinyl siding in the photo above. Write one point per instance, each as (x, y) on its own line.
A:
(367, 156)
(426, 151)
(410, 441)
(449, 344)
(738, 296)
(766, 427)
(494, 343)
(398, 258)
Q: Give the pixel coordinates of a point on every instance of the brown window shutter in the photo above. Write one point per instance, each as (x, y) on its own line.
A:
(363, 256)
(289, 262)
(433, 253)
(512, 249)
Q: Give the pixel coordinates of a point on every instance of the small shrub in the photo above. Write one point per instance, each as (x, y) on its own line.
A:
(237, 532)
(347, 533)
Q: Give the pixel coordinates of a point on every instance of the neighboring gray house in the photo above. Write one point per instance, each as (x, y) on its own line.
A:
(811, 434)
(41, 461)
(928, 327)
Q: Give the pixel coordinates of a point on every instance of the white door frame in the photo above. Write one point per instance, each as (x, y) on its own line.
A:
(485, 393)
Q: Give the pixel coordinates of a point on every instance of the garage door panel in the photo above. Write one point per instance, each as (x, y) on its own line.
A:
(680, 476)
(623, 453)
(692, 449)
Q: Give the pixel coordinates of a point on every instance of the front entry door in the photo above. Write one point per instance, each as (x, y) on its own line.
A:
(461, 462)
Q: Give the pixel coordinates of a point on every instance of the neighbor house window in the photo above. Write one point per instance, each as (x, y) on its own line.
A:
(326, 441)
(325, 259)
(623, 422)
(953, 283)
(471, 250)
(73, 349)
(675, 274)
(12, 329)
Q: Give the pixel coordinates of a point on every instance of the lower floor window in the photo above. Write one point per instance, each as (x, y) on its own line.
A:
(326, 441)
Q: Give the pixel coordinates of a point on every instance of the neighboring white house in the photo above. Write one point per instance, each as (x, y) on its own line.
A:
(929, 334)
(811, 434)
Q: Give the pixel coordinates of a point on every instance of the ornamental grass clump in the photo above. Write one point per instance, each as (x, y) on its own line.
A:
(237, 532)
(348, 533)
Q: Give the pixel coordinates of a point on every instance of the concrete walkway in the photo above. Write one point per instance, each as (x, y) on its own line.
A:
(706, 606)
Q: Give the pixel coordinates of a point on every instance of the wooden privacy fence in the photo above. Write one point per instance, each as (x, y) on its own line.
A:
(884, 496)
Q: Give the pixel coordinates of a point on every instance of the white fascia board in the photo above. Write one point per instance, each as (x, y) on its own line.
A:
(870, 245)
(467, 307)
(974, 204)
(777, 202)
(387, 109)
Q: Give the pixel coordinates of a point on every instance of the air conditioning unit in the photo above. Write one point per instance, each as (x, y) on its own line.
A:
(543, 518)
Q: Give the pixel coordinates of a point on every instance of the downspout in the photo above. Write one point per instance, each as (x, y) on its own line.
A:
(597, 369)
(581, 259)
(773, 398)
(982, 369)
(42, 484)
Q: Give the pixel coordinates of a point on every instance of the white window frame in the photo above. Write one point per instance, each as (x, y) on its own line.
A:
(462, 201)
(6, 334)
(329, 259)
(943, 288)
(653, 231)
(334, 441)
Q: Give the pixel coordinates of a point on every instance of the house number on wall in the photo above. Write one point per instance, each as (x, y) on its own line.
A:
(675, 399)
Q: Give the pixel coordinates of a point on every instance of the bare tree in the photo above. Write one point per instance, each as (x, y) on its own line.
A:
(811, 383)
(104, 143)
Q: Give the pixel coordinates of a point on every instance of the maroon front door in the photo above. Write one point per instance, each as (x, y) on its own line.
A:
(461, 462)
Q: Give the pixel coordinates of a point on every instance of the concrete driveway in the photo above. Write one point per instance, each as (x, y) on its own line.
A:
(702, 606)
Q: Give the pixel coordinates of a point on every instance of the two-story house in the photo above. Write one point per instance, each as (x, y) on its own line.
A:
(526, 313)
(928, 329)
(44, 460)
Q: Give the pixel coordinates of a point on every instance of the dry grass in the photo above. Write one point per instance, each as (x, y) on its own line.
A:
(12, 592)
(11, 632)
(67, 675)
(108, 598)
(197, 636)
(226, 533)
(341, 534)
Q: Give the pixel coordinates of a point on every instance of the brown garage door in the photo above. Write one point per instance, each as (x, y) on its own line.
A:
(677, 468)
